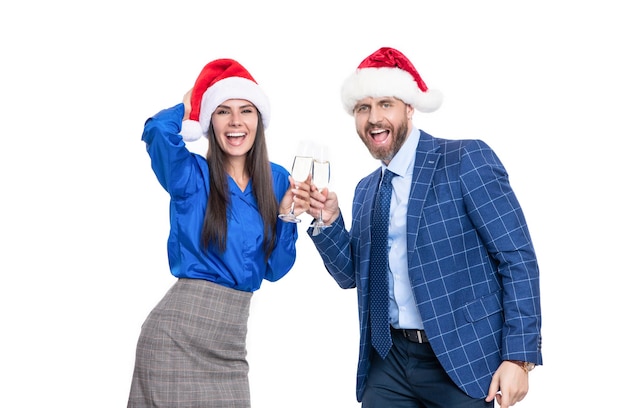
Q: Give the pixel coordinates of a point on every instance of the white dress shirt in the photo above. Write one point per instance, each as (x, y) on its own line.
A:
(403, 313)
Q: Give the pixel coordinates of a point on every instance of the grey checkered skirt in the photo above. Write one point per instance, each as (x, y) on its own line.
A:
(192, 349)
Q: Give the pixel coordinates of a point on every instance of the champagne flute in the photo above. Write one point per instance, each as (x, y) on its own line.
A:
(300, 170)
(321, 180)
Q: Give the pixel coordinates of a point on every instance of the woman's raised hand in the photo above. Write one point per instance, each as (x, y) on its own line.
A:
(187, 102)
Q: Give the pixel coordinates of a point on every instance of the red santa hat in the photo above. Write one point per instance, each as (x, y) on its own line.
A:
(219, 81)
(387, 72)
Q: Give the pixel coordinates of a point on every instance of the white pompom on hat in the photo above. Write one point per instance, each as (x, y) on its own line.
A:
(220, 80)
(387, 72)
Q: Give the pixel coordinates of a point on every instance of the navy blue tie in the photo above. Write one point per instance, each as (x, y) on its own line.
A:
(379, 264)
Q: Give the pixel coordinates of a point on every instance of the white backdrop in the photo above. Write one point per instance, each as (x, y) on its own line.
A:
(84, 221)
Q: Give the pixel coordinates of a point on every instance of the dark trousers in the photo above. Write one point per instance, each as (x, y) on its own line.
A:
(411, 377)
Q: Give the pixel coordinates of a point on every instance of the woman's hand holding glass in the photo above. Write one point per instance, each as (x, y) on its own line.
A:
(296, 200)
(301, 183)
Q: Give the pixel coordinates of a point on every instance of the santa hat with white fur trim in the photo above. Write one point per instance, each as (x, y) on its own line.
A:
(219, 81)
(387, 72)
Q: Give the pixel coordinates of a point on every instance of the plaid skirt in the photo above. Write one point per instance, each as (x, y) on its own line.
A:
(191, 351)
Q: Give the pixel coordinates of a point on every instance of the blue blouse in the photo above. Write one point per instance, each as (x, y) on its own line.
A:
(185, 176)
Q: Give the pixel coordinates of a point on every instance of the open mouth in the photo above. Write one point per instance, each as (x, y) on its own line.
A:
(379, 136)
(235, 138)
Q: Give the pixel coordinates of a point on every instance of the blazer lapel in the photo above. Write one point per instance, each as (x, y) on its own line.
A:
(426, 159)
(366, 217)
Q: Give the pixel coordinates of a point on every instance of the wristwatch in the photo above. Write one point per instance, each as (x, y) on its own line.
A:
(525, 365)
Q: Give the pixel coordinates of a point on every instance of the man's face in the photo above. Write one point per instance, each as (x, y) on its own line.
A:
(383, 125)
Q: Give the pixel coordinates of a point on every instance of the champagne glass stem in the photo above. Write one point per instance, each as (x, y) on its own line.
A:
(293, 207)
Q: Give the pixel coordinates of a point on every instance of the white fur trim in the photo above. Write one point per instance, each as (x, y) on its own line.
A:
(379, 82)
(233, 88)
(191, 131)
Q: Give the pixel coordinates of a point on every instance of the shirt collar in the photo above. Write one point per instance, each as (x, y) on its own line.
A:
(402, 163)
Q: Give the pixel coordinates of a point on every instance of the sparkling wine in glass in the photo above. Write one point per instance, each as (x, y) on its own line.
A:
(321, 179)
(300, 170)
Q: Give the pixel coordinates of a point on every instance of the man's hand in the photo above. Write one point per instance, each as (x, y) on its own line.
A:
(508, 385)
(325, 201)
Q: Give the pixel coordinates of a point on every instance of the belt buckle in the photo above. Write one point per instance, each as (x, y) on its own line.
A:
(414, 335)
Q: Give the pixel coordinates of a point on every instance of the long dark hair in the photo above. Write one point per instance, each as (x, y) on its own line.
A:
(214, 228)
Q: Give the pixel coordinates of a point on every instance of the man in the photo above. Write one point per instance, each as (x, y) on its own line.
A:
(459, 278)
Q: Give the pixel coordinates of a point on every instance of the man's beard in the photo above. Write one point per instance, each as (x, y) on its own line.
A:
(386, 154)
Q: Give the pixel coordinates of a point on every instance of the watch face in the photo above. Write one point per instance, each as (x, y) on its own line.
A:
(530, 366)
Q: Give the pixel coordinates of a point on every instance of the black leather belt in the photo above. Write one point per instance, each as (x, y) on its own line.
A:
(412, 335)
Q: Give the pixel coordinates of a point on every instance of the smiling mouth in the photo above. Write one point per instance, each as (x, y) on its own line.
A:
(235, 135)
(379, 135)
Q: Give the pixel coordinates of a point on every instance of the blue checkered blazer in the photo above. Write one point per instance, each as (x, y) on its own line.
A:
(471, 260)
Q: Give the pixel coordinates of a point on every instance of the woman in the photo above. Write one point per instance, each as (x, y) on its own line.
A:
(225, 238)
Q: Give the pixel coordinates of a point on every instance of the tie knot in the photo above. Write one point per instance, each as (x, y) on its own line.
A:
(387, 176)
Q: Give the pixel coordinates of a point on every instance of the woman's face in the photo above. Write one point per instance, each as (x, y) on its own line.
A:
(235, 123)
